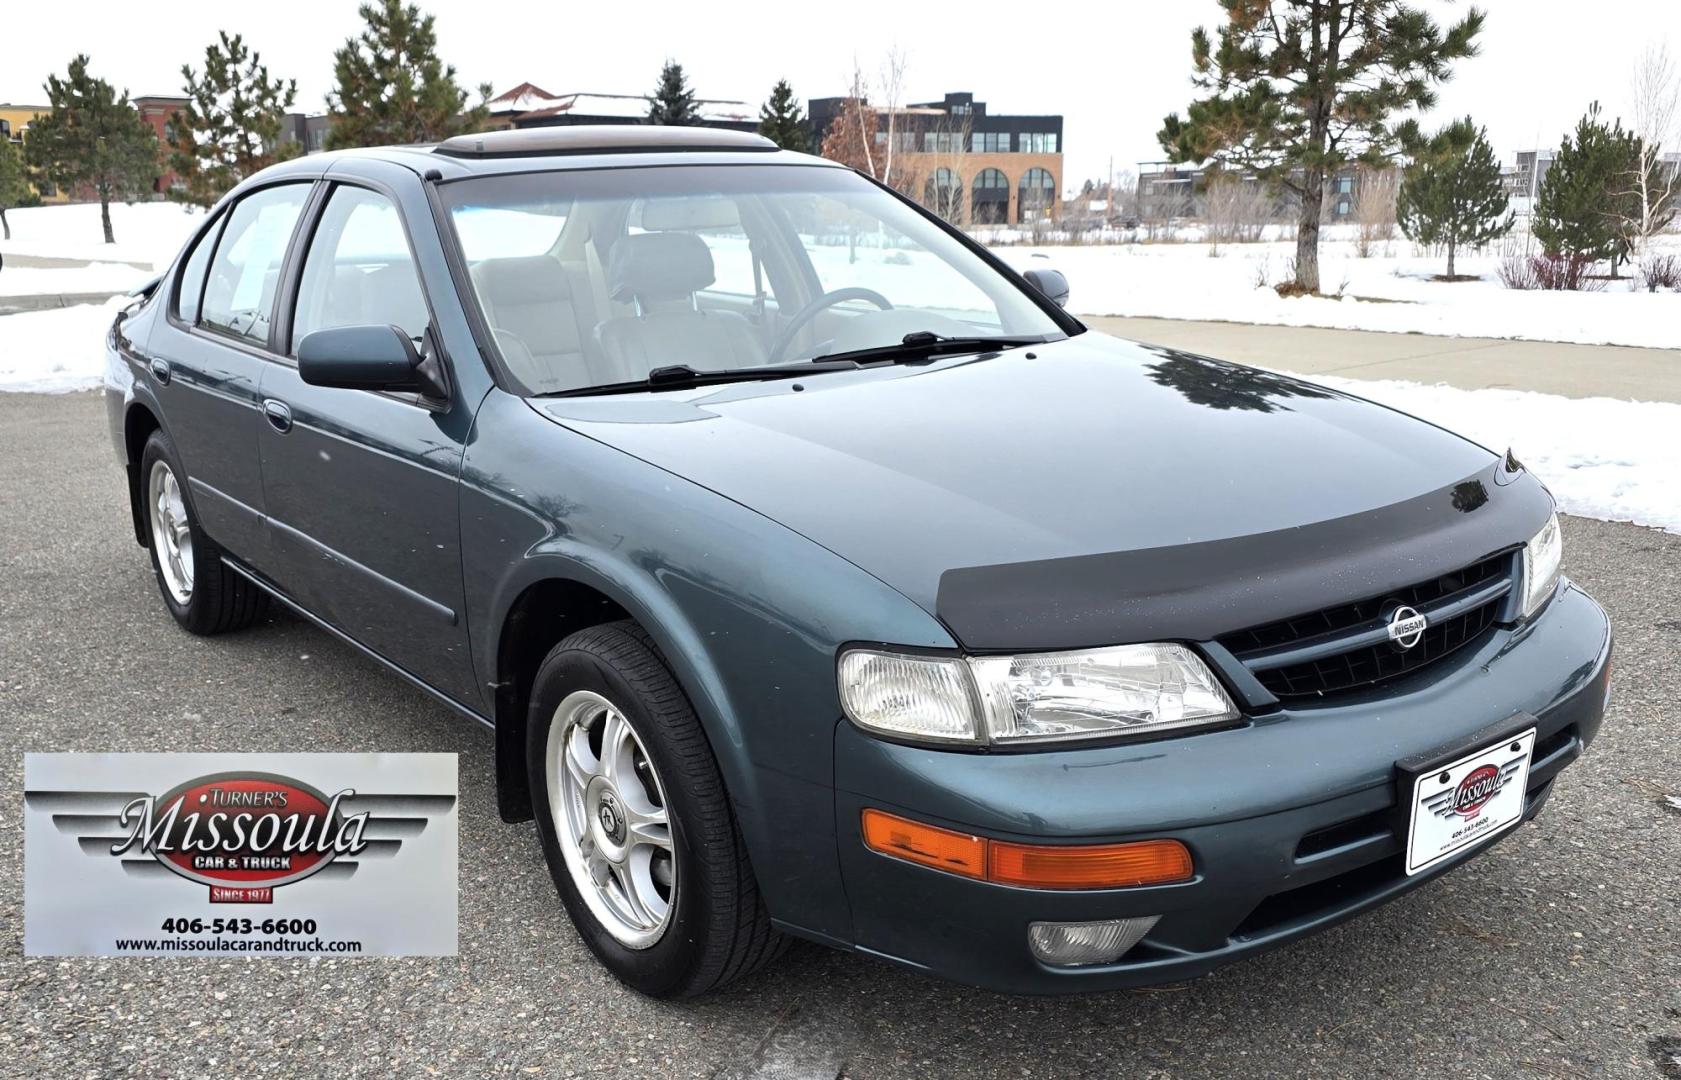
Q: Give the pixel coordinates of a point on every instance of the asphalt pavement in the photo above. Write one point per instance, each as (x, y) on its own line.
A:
(1557, 954)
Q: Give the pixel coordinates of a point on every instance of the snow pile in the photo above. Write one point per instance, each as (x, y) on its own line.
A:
(1601, 457)
(53, 351)
(1396, 293)
(148, 233)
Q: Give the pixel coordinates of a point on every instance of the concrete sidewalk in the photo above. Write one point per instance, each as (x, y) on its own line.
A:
(1469, 363)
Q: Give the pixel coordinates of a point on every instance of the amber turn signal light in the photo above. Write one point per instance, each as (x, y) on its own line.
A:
(1034, 866)
(1088, 866)
(953, 852)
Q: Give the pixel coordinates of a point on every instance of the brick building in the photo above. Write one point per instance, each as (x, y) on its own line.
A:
(156, 109)
(973, 166)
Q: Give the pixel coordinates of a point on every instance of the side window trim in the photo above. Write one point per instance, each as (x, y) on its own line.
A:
(209, 233)
(280, 335)
(246, 344)
(284, 345)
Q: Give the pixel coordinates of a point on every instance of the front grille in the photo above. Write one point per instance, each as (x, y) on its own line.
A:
(1333, 649)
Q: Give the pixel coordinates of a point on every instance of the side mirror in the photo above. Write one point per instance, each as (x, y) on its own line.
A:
(1051, 283)
(367, 358)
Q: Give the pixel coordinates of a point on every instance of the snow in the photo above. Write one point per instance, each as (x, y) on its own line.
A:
(1604, 458)
(148, 234)
(50, 352)
(92, 278)
(1601, 457)
(1393, 293)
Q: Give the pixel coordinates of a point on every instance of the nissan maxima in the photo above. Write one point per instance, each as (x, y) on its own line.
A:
(821, 577)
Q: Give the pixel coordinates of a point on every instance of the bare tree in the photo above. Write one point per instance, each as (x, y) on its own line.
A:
(850, 139)
(1656, 183)
(1234, 210)
(1123, 198)
(891, 77)
(945, 157)
(1161, 205)
(1374, 209)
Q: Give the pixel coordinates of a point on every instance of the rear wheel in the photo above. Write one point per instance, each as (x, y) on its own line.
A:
(200, 591)
(634, 820)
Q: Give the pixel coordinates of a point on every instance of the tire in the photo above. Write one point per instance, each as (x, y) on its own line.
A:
(200, 591)
(715, 927)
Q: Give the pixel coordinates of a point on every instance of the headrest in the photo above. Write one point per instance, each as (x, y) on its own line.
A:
(658, 266)
(529, 279)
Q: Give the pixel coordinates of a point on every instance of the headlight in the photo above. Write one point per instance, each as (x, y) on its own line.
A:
(1541, 558)
(1033, 697)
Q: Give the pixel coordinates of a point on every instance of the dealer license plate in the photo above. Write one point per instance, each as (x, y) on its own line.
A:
(1468, 801)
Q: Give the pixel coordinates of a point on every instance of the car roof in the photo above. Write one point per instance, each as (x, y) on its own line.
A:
(582, 146)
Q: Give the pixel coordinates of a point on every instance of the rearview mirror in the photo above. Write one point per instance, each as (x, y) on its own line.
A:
(367, 358)
(1051, 283)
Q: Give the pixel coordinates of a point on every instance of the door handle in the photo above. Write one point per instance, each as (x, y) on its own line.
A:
(160, 371)
(279, 416)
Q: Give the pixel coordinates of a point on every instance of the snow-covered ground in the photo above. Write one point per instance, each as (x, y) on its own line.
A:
(53, 351)
(1394, 293)
(1604, 458)
(1601, 457)
(149, 233)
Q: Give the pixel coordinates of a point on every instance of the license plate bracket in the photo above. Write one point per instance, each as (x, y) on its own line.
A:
(1461, 795)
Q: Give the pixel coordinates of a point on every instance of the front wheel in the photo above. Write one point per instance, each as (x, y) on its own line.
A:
(200, 591)
(634, 820)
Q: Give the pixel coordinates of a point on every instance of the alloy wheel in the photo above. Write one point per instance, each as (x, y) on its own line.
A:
(172, 536)
(610, 818)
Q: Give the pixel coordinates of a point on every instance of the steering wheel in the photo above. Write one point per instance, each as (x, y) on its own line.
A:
(820, 305)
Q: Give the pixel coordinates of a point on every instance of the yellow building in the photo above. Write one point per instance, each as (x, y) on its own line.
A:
(14, 124)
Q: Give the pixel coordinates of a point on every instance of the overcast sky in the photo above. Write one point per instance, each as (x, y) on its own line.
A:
(1113, 73)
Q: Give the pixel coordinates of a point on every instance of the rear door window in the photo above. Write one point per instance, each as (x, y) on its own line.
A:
(192, 274)
(245, 272)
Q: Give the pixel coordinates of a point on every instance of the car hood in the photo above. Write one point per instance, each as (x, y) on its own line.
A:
(1089, 490)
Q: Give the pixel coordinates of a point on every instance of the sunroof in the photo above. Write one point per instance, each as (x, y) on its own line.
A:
(600, 138)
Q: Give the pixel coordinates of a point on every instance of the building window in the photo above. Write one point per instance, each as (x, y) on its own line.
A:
(1345, 185)
(5, 129)
(1343, 207)
(1037, 142)
(989, 198)
(990, 142)
(942, 142)
(1038, 194)
(943, 194)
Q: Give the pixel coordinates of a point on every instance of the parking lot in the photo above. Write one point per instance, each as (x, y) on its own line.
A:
(1558, 954)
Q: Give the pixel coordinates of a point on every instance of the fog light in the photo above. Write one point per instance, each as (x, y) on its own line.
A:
(1073, 944)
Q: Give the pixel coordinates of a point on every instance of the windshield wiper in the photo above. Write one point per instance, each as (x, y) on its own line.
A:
(925, 344)
(678, 376)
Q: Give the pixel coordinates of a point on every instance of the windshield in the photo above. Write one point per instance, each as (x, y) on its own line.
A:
(597, 277)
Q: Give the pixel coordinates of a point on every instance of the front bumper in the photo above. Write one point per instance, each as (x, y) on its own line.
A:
(1292, 819)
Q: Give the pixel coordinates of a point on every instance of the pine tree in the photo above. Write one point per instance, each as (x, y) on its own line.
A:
(1452, 195)
(14, 182)
(231, 126)
(1585, 193)
(1296, 89)
(781, 121)
(673, 102)
(93, 136)
(391, 87)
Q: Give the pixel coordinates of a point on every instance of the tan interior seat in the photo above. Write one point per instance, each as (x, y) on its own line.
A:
(548, 308)
(660, 272)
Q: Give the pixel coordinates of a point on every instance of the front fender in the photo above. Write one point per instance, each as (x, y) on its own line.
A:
(748, 614)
